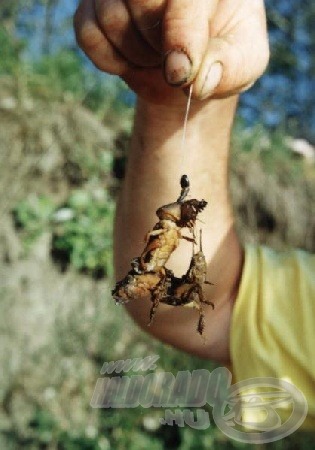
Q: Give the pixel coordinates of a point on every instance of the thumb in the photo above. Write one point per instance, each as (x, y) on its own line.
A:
(185, 36)
(232, 63)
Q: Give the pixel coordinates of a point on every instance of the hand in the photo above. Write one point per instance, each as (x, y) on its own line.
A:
(154, 45)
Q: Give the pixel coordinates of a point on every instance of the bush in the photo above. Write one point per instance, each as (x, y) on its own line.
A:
(81, 229)
(82, 233)
(10, 52)
(31, 217)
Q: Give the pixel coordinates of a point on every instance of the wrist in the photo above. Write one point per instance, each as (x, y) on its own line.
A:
(156, 149)
(222, 111)
(209, 127)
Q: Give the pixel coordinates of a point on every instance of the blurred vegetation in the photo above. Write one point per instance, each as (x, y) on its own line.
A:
(63, 145)
(32, 216)
(83, 235)
(81, 229)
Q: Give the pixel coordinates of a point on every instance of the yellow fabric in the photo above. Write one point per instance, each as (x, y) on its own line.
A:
(273, 322)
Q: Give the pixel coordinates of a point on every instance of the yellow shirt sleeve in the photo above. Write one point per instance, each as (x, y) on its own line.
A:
(273, 322)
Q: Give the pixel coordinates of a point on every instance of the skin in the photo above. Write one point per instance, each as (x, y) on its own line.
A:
(159, 48)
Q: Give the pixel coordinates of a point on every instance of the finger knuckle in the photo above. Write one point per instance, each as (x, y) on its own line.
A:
(112, 15)
(89, 37)
(173, 22)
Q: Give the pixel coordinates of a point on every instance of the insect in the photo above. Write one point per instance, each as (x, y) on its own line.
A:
(187, 290)
(149, 276)
(166, 234)
(135, 285)
(160, 244)
(182, 212)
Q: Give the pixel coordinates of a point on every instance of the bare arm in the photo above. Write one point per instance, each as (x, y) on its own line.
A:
(155, 165)
(221, 47)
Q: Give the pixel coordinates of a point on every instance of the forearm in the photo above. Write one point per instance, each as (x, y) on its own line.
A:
(220, 61)
(155, 163)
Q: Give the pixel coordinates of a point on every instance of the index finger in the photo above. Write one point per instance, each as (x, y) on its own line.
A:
(186, 35)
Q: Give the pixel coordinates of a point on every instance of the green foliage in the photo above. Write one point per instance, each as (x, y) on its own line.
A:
(85, 238)
(48, 431)
(81, 229)
(105, 93)
(11, 49)
(53, 76)
(57, 75)
(31, 217)
(270, 147)
(139, 429)
(64, 72)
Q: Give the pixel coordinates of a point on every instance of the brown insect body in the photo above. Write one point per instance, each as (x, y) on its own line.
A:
(188, 290)
(166, 234)
(183, 213)
(197, 271)
(161, 242)
(149, 276)
(135, 285)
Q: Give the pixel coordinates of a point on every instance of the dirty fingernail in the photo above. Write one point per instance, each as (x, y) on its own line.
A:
(177, 68)
(212, 79)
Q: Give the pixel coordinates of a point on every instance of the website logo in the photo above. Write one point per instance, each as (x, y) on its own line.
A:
(256, 410)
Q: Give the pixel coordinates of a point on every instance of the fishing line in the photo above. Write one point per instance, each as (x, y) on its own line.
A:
(184, 180)
(186, 120)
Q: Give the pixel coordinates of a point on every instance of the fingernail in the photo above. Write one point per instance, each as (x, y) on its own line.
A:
(212, 79)
(177, 68)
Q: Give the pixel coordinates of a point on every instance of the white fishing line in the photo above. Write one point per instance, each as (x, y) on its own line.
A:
(183, 142)
(186, 119)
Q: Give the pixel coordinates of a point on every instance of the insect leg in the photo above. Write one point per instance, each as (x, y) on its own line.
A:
(154, 307)
(201, 321)
(201, 296)
(157, 294)
(153, 233)
(149, 248)
(189, 239)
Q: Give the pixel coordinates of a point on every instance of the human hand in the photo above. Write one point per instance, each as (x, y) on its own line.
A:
(219, 45)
